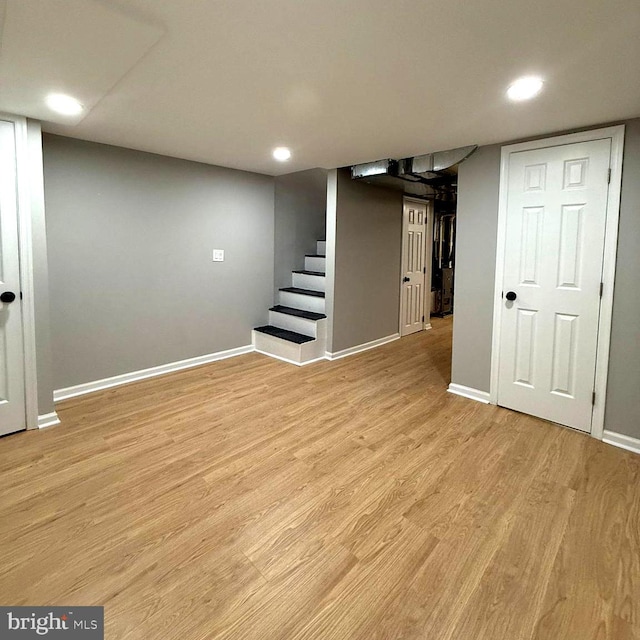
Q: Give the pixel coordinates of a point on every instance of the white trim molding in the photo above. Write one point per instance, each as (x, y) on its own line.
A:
(468, 392)
(48, 420)
(25, 241)
(362, 347)
(608, 278)
(616, 135)
(24, 185)
(330, 250)
(143, 374)
(298, 364)
(622, 441)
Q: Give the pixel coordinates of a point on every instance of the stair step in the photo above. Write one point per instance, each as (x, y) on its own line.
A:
(315, 263)
(284, 334)
(300, 313)
(310, 273)
(304, 292)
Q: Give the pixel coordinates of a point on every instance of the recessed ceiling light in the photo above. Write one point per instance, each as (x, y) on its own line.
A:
(524, 88)
(65, 105)
(281, 153)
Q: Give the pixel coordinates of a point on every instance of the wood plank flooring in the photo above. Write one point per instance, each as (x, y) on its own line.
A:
(346, 500)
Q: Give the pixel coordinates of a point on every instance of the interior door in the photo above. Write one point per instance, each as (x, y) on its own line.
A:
(12, 393)
(414, 245)
(555, 228)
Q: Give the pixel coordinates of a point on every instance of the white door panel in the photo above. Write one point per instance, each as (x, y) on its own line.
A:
(556, 216)
(414, 246)
(12, 398)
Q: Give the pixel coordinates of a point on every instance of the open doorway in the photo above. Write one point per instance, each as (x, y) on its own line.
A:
(443, 254)
(428, 255)
(427, 299)
(427, 263)
(442, 303)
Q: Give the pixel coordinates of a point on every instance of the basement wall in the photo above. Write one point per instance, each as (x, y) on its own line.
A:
(44, 365)
(131, 278)
(366, 259)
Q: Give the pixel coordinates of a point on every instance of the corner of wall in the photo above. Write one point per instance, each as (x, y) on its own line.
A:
(44, 365)
(332, 207)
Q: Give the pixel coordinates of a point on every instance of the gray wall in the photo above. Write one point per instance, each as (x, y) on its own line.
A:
(130, 237)
(40, 270)
(478, 185)
(476, 241)
(623, 390)
(366, 290)
(300, 207)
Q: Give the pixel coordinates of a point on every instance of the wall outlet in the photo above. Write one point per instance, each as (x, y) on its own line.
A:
(218, 255)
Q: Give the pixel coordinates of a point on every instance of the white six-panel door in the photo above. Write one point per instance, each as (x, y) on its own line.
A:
(12, 392)
(414, 246)
(12, 389)
(555, 231)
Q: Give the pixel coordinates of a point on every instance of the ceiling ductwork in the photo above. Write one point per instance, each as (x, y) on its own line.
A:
(425, 176)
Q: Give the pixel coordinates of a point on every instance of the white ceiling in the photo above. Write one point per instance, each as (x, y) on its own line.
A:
(69, 46)
(338, 81)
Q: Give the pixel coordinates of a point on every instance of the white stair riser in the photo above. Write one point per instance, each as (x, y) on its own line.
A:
(276, 346)
(298, 353)
(321, 247)
(311, 263)
(317, 348)
(305, 281)
(293, 323)
(300, 301)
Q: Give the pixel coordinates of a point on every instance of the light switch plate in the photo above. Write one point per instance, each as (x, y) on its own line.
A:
(218, 255)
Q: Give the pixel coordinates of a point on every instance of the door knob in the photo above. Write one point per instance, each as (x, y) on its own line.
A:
(405, 279)
(511, 296)
(7, 296)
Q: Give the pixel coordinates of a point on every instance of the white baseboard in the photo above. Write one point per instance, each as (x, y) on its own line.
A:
(469, 392)
(298, 364)
(48, 420)
(361, 347)
(622, 441)
(135, 376)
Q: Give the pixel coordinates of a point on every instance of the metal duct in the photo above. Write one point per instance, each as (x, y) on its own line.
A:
(377, 168)
(424, 176)
(436, 162)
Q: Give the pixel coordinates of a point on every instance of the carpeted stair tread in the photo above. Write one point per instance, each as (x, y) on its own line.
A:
(304, 292)
(284, 334)
(299, 313)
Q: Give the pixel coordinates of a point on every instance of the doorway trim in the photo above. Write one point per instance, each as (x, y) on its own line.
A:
(616, 134)
(428, 258)
(25, 252)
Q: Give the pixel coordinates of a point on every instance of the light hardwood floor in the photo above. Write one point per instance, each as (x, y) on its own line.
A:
(346, 500)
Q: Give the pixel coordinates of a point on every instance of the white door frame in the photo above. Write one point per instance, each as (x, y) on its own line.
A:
(616, 134)
(427, 261)
(26, 268)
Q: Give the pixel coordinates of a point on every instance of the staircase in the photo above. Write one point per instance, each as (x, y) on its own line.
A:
(297, 329)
